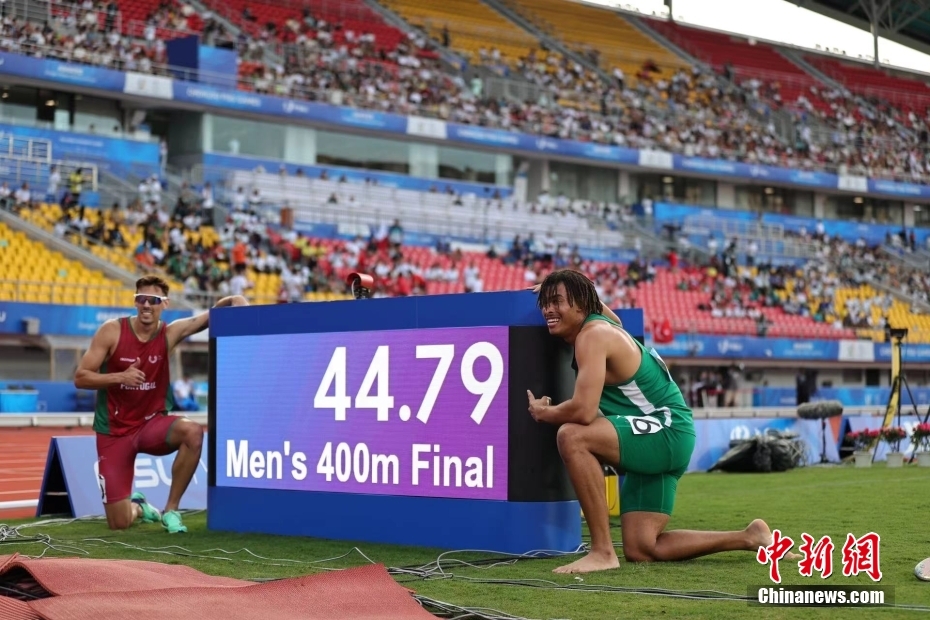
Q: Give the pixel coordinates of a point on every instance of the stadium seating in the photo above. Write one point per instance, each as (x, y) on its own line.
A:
(58, 280)
(472, 26)
(908, 94)
(352, 15)
(34, 273)
(434, 212)
(899, 315)
(746, 58)
(47, 215)
(266, 286)
(136, 12)
(584, 27)
(663, 299)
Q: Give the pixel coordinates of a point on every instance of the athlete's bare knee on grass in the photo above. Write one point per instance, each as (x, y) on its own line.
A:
(121, 514)
(641, 531)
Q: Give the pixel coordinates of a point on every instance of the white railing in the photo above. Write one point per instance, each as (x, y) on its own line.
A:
(27, 148)
(36, 173)
(361, 206)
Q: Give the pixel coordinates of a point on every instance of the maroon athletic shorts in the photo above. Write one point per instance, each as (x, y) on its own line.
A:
(117, 455)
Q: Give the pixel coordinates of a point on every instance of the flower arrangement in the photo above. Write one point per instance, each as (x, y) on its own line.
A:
(921, 436)
(892, 435)
(861, 440)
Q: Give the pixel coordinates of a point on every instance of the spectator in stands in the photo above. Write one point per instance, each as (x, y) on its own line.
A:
(75, 186)
(396, 235)
(255, 200)
(183, 390)
(6, 196)
(696, 112)
(473, 281)
(54, 181)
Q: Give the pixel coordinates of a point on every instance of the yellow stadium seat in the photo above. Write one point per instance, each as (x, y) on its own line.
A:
(582, 26)
(472, 26)
(899, 315)
(32, 272)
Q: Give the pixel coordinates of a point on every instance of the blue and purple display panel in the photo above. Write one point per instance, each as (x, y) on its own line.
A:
(397, 420)
(405, 412)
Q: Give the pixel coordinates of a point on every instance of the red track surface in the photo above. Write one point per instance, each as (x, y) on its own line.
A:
(22, 463)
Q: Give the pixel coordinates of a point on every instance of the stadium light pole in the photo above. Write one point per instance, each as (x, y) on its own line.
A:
(873, 12)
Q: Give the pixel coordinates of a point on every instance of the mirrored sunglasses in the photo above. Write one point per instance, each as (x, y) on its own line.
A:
(154, 300)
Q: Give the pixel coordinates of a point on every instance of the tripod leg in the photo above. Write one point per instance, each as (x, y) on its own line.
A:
(913, 402)
(893, 406)
(916, 412)
(823, 436)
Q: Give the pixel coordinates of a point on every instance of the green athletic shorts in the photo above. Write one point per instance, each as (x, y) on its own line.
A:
(652, 459)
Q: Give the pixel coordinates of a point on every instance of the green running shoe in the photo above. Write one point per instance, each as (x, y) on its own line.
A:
(150, 514)
(172, 522)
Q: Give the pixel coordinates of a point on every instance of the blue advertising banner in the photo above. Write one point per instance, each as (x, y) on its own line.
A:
(909, 352)
(53, 396)
(219, 67)
(748, 347)
(896, 188)
(66, 320)
(206, 94)
(850, 397)
(62, 72)
(739, 170)
(112, 154)
(745, 347)
(202, 63)
(183, 57)
(228, 98)
(77, 458)
(850, 231)
(84, 321)
(486, 136)
(714, 436)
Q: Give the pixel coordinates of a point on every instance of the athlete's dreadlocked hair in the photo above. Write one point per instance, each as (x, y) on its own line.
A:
(579, 289)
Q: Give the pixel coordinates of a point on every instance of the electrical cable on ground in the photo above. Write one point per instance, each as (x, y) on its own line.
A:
(436, 569)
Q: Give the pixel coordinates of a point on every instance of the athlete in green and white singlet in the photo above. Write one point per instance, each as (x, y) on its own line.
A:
(626, 411)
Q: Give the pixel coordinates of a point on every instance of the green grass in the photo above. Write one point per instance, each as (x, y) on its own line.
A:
(820, 501)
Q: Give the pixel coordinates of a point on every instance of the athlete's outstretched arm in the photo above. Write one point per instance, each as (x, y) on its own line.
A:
(88, 376)
(184, 328)
(581, 408)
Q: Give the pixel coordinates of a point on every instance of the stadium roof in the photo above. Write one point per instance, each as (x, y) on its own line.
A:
(903, 21)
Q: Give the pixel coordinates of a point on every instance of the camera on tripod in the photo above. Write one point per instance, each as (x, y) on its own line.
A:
(896, 333)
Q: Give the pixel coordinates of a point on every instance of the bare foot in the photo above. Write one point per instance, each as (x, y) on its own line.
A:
(761, 536)
(591, 563)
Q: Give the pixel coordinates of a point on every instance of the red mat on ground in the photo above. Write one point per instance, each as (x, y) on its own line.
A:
(11, 609)
(83, 589)
(61, 576)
